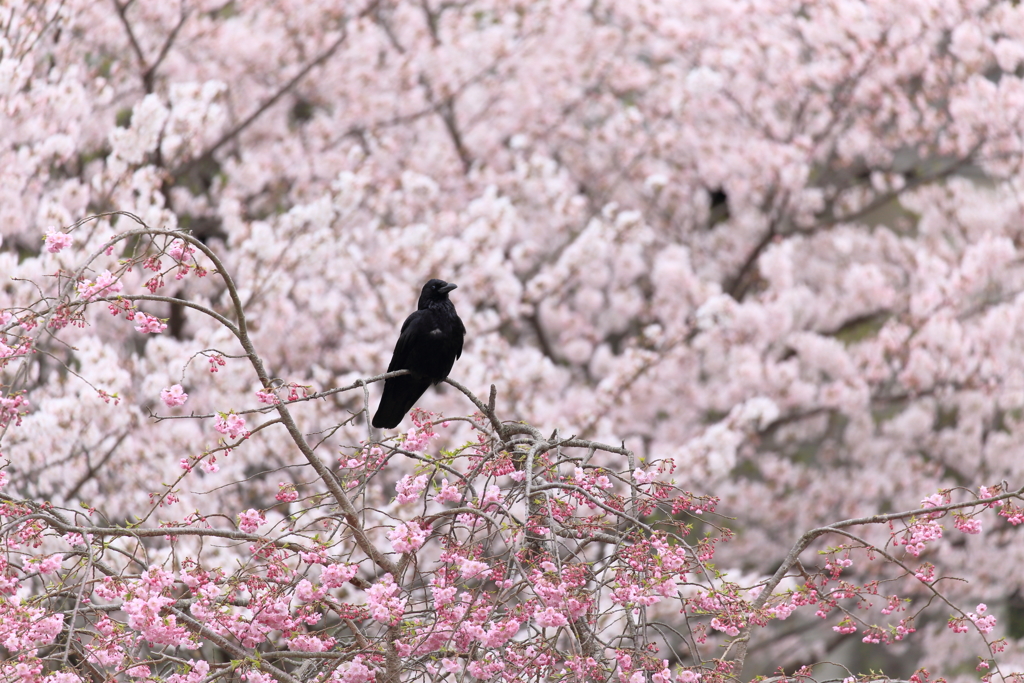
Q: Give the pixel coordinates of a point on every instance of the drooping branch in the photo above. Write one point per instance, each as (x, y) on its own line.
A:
(738, 646)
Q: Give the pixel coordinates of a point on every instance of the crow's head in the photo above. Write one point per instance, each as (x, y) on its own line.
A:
(435, 290)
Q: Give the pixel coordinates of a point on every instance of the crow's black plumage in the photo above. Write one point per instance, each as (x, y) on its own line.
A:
(430, 341)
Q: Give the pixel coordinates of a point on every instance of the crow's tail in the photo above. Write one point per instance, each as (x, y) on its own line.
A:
(400, 395)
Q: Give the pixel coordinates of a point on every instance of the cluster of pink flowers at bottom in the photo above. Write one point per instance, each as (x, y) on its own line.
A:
(354, 671)
(31, 670)
(627, 674)
(270, 609)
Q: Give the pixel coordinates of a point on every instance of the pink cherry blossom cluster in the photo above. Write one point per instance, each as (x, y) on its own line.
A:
(57, 241)
(984, 623)
(915, 536)
(267, 396)
(251, 520)
(383, 602)
(409, 488)
(13, 409)
(180, 250)
(286, 493)
(148, 324)
(17, 350)
(408, 537)
(105, 284)
(230, 424)
(173, 396)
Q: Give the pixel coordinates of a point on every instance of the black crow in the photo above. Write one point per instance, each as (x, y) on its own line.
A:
(430, 341)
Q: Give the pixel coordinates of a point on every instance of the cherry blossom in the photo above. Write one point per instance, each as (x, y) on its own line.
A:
(251, 520)
(408, 537)
(105, 284)
(173, 396)
(230, 424)
(409, 488)
(57, 241)
(147, 324)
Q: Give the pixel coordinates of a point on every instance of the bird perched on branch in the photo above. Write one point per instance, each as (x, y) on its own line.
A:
(430, 341)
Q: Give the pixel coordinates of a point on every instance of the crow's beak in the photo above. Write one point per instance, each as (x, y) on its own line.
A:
(447, 288)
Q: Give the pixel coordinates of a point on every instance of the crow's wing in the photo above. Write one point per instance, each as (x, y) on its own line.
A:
(401, 393)
(461, 336)
(400, 357)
